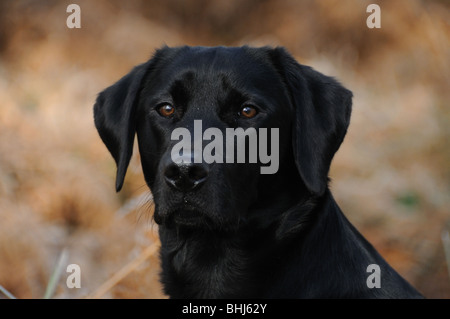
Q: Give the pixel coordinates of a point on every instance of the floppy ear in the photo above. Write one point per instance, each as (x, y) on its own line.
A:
(322, 109)
(115, 118)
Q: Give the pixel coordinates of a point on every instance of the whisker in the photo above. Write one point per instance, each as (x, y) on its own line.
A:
(133, 203)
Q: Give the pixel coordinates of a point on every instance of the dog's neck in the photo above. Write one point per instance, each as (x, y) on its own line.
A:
(200, 262)
(211, 264)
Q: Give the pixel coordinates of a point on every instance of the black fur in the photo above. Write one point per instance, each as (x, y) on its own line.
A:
(242, 234)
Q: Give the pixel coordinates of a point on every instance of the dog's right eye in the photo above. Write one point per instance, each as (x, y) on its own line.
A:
(166, 110)
(248, 111)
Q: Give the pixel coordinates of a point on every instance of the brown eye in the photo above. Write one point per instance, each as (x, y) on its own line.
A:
(248, 111)
(166, 110)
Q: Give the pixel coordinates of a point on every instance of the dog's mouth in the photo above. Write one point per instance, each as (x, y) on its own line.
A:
(185, 215)
(188, 216)
(190, 213)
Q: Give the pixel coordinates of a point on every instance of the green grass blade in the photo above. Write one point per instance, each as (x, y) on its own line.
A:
(53, 282)
(6, 293)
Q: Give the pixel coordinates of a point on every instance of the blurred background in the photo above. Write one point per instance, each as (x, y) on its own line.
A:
(58, 205)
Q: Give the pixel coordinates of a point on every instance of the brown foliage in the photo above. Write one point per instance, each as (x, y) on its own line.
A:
(391, 176)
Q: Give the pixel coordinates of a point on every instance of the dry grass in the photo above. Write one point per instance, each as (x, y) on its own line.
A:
(391, 175)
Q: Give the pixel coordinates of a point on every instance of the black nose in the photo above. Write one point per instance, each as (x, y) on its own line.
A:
(186, 176)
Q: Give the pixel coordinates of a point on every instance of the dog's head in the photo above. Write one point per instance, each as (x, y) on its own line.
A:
(227, 136)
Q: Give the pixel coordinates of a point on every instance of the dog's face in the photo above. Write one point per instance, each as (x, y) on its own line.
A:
(220, 89)
(227, 136)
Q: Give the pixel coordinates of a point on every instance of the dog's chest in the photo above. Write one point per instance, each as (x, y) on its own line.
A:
(208, 270)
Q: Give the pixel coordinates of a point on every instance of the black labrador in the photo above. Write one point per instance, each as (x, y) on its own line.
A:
(243, 227)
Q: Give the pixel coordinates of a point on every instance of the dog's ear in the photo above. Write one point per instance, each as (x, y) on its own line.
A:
(322, 109)
(115, 117)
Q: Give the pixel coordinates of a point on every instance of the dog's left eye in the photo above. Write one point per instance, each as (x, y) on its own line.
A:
(248, 111)
(166, 110)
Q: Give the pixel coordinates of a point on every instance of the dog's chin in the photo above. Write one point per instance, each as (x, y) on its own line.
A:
(192, 218)
(186, 217)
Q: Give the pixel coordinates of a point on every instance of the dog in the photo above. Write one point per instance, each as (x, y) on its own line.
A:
(227, 230)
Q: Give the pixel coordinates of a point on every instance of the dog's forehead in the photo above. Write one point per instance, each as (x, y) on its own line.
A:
(220, 58)
(240, 66)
